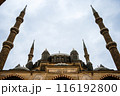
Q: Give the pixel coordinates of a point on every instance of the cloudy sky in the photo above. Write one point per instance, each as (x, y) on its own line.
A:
(60, 25)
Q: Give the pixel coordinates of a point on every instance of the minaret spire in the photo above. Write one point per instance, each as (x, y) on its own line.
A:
(110, 44)
(30, 56)
(94, 11)
(86, 55)
(8, 44)
(24, 9)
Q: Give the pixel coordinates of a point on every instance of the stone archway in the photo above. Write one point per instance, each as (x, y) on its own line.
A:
(62, 77)
(13, 77)
(110, 77)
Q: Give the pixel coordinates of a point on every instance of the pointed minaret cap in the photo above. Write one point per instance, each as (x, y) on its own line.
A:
(94, 11)
(33, 44)
(24, 9)
(84, 46)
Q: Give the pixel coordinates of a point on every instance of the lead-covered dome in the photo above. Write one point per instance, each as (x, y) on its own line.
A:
(102, 68)
(18, 67)
(59, 58)
(74, 56)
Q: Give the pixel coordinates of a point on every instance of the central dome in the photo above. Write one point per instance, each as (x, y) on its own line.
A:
(60, 54)
(60, 58)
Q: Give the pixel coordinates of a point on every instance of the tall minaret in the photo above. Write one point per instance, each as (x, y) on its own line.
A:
(30, 55)
(2, 1)
(8, 44)
(110, 44)
(86, 55)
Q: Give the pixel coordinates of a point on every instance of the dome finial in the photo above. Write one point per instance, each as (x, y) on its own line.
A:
(45, 49)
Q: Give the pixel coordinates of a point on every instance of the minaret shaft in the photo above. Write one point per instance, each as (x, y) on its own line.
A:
(8, 44)
(2, 1)
(86, 57)
(110, 44)
(30, 55)
(86, 53)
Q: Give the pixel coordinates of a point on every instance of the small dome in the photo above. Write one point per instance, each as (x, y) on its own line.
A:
(89, 63)
(74, 52)
(46, 51)
(29, 65)
(18, 67)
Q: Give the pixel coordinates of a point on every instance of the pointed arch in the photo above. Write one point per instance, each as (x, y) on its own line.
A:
(13, 77)
(110, 77)
(62, 77)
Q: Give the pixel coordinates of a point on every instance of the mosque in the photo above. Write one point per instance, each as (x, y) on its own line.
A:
(59, 66)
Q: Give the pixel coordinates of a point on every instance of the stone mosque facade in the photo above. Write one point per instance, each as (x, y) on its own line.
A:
(59, 66)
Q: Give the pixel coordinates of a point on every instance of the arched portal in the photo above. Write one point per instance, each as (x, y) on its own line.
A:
(12, 78)
(110, 77)
(62, 77)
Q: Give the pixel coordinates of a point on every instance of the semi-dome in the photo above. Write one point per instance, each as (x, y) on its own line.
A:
(18, 67)
(102, 68)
